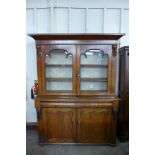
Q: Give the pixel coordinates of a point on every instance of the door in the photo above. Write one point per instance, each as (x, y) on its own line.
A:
(94, 125)
(59, 67)
(94, 69)
(59, 124)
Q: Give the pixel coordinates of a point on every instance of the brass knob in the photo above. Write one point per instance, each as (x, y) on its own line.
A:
(76, 75)
(78, 122)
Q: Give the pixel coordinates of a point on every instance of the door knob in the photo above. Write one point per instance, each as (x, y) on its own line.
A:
(76, 75)
(78, 122)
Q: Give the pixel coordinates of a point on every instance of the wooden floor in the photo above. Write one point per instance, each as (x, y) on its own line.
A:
(32, 148)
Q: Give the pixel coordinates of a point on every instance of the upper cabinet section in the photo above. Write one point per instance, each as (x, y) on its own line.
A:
(76, 64)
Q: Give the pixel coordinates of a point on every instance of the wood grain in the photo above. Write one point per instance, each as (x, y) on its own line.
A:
(83, 117)
(93, 125)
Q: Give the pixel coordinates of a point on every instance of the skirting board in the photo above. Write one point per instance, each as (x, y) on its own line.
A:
(31, 126)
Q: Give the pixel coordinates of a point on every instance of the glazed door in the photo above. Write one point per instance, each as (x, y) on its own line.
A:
(94, 69)
(59, 124)
(94, 125)
(59, 66)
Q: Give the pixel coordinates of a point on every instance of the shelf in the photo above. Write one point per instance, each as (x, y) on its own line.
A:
(82, 79)
(97, 91)
(59, 79)
(58, 65)
(70, 65)
(94, 79)
(93, 65)
(58, 91)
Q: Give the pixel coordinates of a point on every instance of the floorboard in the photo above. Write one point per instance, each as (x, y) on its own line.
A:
(32, 148)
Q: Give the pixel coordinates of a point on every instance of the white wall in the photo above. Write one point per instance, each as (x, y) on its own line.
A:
(68, 16)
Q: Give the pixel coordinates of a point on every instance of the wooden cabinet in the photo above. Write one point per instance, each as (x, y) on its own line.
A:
(76, 102)
(123, 115)
(77, 122)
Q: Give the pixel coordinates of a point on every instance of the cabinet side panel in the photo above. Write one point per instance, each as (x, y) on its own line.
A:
(123, 114)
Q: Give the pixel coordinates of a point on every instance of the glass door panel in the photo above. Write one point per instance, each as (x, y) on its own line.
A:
(58, 68)
(93, 86)
(94, 71)
(58, 86)
(93, 57)
(58, 72)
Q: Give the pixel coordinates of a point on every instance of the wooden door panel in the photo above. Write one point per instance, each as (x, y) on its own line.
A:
(60, 124)
(94, 125)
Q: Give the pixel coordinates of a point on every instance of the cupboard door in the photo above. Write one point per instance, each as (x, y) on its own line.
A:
(94, 125)
(59, 125)
(59, 65)
(94, 69)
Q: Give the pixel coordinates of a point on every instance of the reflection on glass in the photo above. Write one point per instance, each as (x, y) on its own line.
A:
(93, 72)
(93, 86)
(58, 57)
(58, 86)
(94, 58)
(58, 72)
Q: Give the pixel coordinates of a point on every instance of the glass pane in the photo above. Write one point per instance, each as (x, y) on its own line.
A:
(58, 57)
(59, 86)
(58, 66)
(94, 71)
(94, 58)
(58, 72)
(93, 86)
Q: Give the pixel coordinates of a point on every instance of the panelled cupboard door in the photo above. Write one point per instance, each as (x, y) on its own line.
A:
(59, 67)
(59, 125)
(94, 125)
(94, 69)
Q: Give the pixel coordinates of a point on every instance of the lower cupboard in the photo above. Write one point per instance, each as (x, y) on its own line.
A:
(92, 124)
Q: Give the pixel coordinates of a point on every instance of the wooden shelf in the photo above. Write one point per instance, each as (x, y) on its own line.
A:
(82, 79)
(70, 65)
(94, 79)
(58, 79)
(58, 91)
(58, 65)
(94, 65)
(97, 90)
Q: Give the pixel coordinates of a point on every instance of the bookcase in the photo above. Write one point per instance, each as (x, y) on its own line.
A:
(76, 102)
